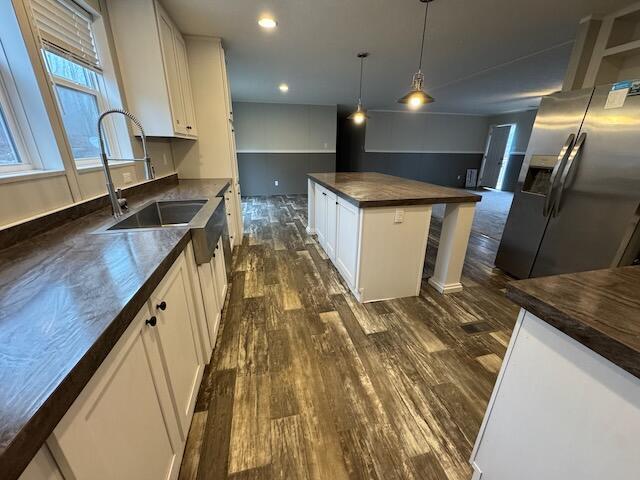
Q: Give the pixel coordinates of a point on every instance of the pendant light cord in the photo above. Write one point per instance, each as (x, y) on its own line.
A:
(424, 30)
(361, 67)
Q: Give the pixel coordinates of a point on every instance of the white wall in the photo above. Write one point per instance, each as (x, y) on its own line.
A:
(409, 132)
(524, 124)
(285, 128)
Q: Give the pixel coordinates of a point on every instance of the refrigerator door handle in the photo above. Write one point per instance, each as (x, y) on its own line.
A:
(577, 149)
(562, 158)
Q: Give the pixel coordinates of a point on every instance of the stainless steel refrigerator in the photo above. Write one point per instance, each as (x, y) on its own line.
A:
(577, 202)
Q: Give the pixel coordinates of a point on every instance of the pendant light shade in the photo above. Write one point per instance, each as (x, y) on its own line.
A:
(360, 115)
(417, 96)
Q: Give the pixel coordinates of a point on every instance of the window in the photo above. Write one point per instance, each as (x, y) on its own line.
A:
(71, 57)
(13, 155)
(80, 101)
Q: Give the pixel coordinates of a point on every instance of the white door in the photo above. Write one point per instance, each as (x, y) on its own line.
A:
(321, 214)
(185, 85)
(177, 334)
(171, 71)
(494, 156)
(347, 241)
(330, 231)
(123, 424)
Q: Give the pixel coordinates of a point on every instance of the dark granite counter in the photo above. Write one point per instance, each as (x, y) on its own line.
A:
(599, 309)
(66, 297)
(368, 189)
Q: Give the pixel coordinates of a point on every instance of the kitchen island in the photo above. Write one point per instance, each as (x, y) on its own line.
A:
(374, 227)
(566, 404)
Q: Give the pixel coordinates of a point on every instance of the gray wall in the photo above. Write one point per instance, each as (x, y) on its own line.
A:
(411, 132)
(443, 168)
(283, 128)
(259, 171)
(283, 142)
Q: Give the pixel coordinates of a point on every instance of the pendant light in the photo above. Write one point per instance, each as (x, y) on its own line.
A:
(360, 115)
(417, 96)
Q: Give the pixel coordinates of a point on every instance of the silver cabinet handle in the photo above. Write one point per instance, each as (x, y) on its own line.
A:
(577, 149)
(562, 158)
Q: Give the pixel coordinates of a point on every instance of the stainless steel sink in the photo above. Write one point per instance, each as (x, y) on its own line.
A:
(206, 220)
(165, 213)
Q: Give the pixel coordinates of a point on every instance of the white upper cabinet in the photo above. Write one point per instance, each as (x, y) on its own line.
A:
(153, 62)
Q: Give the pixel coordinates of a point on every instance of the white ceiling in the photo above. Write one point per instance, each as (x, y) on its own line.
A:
(481, 56)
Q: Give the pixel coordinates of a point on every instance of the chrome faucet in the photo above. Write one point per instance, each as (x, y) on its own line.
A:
(117, 202)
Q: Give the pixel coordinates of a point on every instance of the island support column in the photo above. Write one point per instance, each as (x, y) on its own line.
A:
(311, 211)
(452, 248)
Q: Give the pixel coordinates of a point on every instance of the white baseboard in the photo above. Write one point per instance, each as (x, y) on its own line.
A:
(444, 289)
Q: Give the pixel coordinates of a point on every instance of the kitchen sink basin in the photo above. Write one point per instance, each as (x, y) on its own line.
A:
(165, 213)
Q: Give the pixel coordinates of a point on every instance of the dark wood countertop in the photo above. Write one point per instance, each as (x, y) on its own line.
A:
(599, 309)
(369, 189)
(66, 297)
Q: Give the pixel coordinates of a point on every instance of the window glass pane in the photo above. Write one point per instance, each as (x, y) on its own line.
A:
(8, 153)
(80, 116)
(73, 72)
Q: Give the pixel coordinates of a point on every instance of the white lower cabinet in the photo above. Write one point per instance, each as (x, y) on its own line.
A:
(132, 419)
(220, 271)
(230, 210)
(178, 340)
(123, 424)
(346, 250)
(213, 284)
(321, 213)
(331, 209)
(42, 467)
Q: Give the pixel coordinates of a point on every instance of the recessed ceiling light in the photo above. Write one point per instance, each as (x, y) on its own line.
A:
(267, 23)
(284, 88)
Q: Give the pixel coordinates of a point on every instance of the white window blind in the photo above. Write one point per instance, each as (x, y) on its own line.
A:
(65, 28)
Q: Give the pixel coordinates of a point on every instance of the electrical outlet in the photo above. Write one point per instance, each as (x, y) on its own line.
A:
(459, 177)
(275, 182)
(326, 145)
(399, 216)
(164, 158)
(126, 178)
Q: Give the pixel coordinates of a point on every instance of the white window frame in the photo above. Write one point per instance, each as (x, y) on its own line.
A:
(100, 94)
(16, 123)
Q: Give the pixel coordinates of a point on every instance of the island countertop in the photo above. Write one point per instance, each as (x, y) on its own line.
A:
(66, 297)
(600, 309)
(370, 189)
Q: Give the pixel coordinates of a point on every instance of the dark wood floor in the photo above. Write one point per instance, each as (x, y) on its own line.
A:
(307, 383)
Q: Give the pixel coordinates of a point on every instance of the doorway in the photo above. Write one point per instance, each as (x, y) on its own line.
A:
(496, 155)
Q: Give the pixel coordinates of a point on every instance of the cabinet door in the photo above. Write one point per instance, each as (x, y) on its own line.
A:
(122, 425)
(220, 271)
(177, 335)
(238, 206)
(330, 231)
(167, 41)
(185, 85)
(347, 240)
(206, 274)
(321, 213)
(230, 210)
